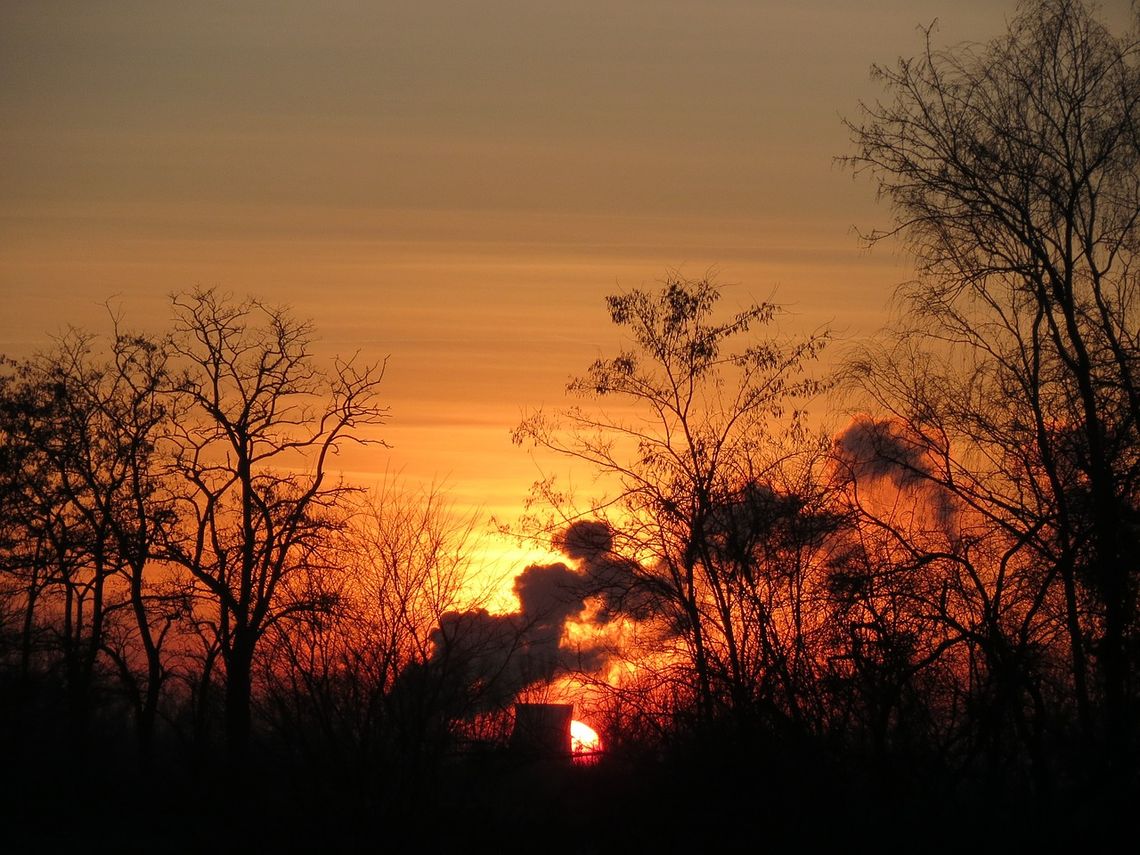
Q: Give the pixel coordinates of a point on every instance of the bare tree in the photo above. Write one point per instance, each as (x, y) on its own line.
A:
(1013, 169)
(80, 430)
(258, 425)
(406, 561)
(710, 462)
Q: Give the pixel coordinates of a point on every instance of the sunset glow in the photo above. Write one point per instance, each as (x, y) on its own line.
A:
(451, 189)
(383, 385)
(584, 740)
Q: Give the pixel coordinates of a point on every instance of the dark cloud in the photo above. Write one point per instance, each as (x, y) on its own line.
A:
(883, 450)
(488, 659)
(550, 594)
(614, 580)
(874, 449)
(586, 540)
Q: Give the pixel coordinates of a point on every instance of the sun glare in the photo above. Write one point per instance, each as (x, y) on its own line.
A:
(584, 741)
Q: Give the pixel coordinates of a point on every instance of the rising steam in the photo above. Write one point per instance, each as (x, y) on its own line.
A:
(884, 451)
(490, 658)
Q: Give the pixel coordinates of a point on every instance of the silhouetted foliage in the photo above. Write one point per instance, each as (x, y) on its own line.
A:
(84, 509)
(1013, 169)
(258, 421)
(928, 620)
(709, 460)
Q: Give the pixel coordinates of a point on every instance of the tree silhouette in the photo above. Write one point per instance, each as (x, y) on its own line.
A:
(697, 457)
(336, 682)
(1013, 169)
(258, 423)
(85, 509)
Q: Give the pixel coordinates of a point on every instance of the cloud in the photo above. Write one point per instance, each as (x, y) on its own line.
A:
(585, 540)
(549, 594)
(487, 659)
(875, 450)
(616, 581)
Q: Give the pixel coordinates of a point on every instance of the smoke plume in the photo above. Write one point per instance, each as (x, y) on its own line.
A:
(495, 656)
(878, 450)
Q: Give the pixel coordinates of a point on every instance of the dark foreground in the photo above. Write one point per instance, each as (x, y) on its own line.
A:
(698, 797)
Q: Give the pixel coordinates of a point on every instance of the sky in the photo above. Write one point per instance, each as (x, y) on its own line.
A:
(449, 185)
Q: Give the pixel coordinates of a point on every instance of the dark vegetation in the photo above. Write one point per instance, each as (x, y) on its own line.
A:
(918, 628)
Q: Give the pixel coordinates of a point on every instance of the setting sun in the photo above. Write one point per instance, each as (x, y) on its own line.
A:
(584, 740)
(385, 385)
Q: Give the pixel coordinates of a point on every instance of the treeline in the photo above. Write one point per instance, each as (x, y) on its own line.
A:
(943, 590)
(922, 615)
(181, 572)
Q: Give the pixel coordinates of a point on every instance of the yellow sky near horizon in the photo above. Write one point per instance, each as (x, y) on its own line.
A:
(453, 186)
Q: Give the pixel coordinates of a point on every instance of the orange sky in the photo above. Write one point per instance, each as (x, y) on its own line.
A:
(453, 185)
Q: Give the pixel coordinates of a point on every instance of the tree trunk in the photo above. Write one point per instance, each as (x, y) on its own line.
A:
(239, 668)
